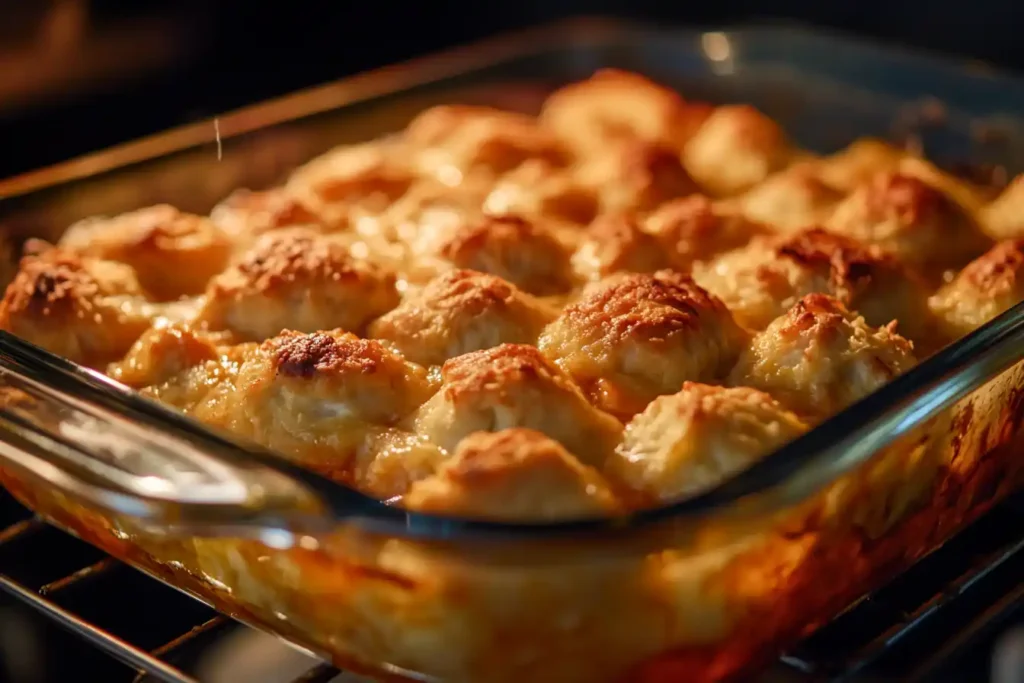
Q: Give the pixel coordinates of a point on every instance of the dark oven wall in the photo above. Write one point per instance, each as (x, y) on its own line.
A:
(222, 54)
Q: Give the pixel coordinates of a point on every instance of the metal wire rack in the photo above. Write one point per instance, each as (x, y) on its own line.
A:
(914, 629)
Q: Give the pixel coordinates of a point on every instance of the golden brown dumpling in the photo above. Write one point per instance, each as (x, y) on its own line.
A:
(513, 475)
(616, 243)
(791, 200)
(614, 106)
(368, 175)
(525, 253)
(454, 141)
(819, 358)
(696, 229)
(969, 195)
(87, 310)
(635, 337)
(462, 311)
(513, 385)
(858, 163)
(389, 461)
(736, 148)
(297, 279)
(687, 442)
(918, 222)
(315, 397)
(987, 286)
(540, 189)
(766, 278)
(429, 216)
(636, 176)
(173, 253)
(245, 215)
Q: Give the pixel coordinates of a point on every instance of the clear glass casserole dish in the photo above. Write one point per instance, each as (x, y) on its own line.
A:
(698, 590)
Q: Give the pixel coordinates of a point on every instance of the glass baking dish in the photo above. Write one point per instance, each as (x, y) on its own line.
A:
(700, 590)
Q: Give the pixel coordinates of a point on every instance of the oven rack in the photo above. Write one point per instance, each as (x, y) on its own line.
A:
(914, 629)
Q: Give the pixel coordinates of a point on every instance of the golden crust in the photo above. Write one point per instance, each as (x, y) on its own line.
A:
(859, 162)
(515, 474)
(428, 217)
(791, 200)
(85, 309)
(987, 286)
(173, 253)
(962, 190)
(919, 223)
(456, 140)
(516, 249)
(462, 311)
(637, 176)
(614, 106)
(540, 189)
(696, 229)
(245, 215)
(616, 243)
(310, 355)
(736, 148)
(318, 382)
(820, 357)
(298, 279)
(634, 337)
(369, 175)
(763, 280)
(514, 385)
(315, 398)
(687, 442)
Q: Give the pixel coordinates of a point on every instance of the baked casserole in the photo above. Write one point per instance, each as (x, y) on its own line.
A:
(618, 303)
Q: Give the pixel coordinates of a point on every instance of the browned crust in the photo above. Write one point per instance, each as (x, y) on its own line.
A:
(849, 263)
(494, 232)
(54, 283)
(500, 370)
(469, 292)
(282, 258)
(613, 308)
(909, 198)
(274, 208)
(305, 355)
(693, 229)
(819, 311)
(512, 243)
(655, 173)
(998, 270)
(621, 245)
(675, 119)
(485, 456)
